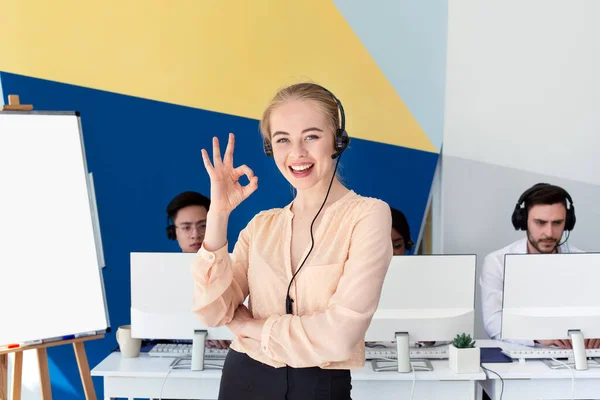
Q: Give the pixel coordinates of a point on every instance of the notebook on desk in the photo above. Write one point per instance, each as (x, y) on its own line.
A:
(493, 355)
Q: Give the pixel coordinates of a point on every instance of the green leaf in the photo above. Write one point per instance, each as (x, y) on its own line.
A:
(463, 341)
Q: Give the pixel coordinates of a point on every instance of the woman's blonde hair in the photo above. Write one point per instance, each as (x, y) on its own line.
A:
(318, 95)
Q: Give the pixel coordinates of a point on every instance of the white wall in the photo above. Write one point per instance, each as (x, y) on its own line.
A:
(30, 388)
(526, 72)
(522, 106)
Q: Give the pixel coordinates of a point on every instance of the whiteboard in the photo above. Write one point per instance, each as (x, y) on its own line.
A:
(50, 264)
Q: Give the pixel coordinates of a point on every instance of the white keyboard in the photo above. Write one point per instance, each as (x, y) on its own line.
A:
(546, 353)
(175, 350)
(434, 352)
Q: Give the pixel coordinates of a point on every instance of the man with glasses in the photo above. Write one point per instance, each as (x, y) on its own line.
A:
(186, 220)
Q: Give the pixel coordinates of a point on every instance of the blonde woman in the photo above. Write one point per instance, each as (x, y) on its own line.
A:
(313, 270)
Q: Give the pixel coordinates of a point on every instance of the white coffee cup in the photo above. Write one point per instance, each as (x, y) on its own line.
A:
(130, 347)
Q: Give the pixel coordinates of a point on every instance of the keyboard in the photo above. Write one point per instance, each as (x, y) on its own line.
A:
(433, 352)
(175, 350)
(545, 353)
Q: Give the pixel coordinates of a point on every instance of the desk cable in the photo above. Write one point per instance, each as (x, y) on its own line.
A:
(501, 380)
(176, 365)
(171, 367)
(572, 376)
(414, 376)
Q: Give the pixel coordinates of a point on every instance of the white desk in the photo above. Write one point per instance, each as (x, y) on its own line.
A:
(535, 380)
(142, 377)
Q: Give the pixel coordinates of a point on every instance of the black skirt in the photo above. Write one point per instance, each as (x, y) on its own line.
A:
(244, 378)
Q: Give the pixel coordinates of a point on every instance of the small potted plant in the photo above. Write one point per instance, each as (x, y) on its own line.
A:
(463, 356)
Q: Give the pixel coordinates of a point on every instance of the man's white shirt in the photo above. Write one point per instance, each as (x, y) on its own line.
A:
(491, 282)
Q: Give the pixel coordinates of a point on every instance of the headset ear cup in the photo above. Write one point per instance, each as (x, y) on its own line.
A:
(570, 219)
(171, 235)
(342, 140)
(409, 245)
(267, 148)
(338, 141)
(523, 219)
(515, 218)
(519, 220)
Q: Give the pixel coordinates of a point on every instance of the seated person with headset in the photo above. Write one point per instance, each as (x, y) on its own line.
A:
(186, 214)
(401, 240)
(186, 223)
(542, 212)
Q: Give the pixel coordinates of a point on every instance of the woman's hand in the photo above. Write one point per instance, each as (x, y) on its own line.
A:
(243, 324)
(226, 193)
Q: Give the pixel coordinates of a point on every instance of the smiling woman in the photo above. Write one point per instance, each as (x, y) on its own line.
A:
(301, 265)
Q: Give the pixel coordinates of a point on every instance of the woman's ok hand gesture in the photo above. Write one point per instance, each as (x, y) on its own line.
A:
(226, 192)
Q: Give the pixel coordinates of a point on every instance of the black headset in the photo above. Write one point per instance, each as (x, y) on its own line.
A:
(171, 234)
(409, 244)
(342, 140)
(519, 215)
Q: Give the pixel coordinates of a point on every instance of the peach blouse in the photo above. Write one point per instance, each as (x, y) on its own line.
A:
(335, 293)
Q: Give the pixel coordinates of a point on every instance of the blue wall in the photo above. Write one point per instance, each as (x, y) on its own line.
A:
(144, 152)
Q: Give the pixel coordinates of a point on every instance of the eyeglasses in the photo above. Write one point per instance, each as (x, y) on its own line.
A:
(189, 228)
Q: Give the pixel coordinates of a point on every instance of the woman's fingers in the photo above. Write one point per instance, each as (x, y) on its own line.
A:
(228, 158)
(252, 180)
(250, 187)
(216, 153)
(207, 164)
(244, 170)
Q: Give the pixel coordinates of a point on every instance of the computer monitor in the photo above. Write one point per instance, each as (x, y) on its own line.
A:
(552, 296)
(161, 302)
(425, 298)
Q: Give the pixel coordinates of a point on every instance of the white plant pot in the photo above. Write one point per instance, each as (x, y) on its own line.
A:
(464, 361)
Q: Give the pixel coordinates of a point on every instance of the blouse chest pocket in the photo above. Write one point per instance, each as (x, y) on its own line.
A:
(318, 283)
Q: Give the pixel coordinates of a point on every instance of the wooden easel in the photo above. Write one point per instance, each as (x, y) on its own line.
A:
(41, 349)
(82, 363)
(15, 105)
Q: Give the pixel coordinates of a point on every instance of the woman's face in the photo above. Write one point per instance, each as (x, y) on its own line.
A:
(302, 141)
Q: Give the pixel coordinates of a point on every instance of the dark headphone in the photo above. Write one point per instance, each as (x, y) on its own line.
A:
(171, 234)
(519, 215)
(409, 245)
(342, 140)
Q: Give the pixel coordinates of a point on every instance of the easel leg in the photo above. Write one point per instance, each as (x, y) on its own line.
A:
(84, 371)
(17, 376)
(3, 376)
(44, 374)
